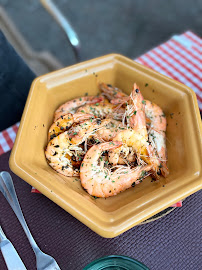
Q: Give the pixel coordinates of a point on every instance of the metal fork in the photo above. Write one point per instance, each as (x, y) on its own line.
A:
(43, 261)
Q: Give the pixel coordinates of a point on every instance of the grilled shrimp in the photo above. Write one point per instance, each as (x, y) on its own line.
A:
(100, 181)
(156, 132)
(111, 92)
(103, 110)
(65, 122)
(72, 105)
(136, 135)
(95, 129)
(155, 119)
(59, 153)
(65, 152)
(86, 129)
(109, 130)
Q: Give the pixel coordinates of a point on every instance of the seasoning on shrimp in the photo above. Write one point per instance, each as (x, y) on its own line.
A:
(111, 92)
(156, 132)
(155, 121)
(103, 110)
(100, 181)
(86, 129)
(72, 105)
(112, 141)
(59, 152)
(65, 122)
(136, 135)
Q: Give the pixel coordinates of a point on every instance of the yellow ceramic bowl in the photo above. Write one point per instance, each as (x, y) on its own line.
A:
(112, 216)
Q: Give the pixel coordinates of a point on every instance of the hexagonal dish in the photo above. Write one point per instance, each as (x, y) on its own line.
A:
(112, 216)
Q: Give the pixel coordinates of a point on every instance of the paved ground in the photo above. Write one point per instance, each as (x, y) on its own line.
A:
(129, 27)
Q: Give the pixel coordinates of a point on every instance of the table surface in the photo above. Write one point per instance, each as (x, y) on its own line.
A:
(172, 242)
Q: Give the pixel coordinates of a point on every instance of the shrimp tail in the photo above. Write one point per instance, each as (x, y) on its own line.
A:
(164, 169)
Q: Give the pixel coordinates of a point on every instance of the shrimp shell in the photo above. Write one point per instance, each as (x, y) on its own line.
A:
(59, 152)
(103, 110)
(136, 135)
(99, 181)
(65, 122)
(72, 105)
(155, 119)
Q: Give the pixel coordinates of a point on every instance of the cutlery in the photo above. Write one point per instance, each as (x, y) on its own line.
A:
(43, 261)
(10, 255)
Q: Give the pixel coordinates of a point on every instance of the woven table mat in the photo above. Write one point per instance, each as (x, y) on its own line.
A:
(172, 242)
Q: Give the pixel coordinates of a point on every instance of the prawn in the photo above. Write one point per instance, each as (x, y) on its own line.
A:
(109, 130)
(111, 92)
(95, 130)
(72, 105)
(155, 120)
(103, 110)
(59, 154)
(100, 181)
(86, 129)
(156, 132)
(65, 122)
(65, 152)
(135, 135)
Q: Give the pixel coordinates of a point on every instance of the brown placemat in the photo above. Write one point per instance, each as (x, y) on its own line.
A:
(172, 242)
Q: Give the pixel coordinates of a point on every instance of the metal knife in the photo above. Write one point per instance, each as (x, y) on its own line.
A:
(10, 255)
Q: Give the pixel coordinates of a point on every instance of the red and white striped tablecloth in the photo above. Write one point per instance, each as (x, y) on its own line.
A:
(179, 58)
